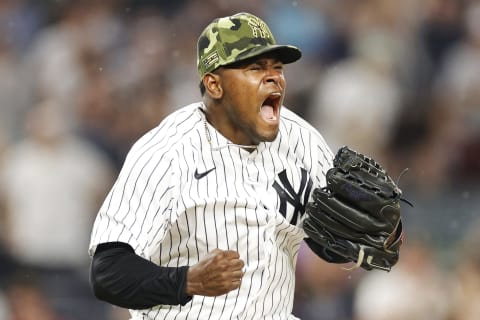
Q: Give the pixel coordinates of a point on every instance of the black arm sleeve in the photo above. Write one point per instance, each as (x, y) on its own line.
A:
(324, 253)
(121, 277)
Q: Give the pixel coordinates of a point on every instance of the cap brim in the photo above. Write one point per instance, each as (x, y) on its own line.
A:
(286, 53)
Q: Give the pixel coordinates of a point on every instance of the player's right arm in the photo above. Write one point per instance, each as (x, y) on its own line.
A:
(121, 277)
(215, 274)
(132, 223)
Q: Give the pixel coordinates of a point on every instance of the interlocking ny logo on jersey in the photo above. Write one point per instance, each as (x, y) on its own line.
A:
(287, 194)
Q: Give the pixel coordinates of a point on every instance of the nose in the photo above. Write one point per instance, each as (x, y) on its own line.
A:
(273, 75)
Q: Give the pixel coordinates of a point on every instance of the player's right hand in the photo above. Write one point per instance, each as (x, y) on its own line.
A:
(215, 274)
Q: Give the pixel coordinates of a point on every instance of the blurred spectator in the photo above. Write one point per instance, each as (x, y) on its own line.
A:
(415, 289)
(440, 29)
(51, 183)
(113, 116)
(51, 176)
(54, 60)
(19, 22)
(457, 87)
(95, 107)
(359, 95)
(4, 310)
(15, 94)
(323, 291)
(7, 267)
(27, 301)
(183, 77)
(144, 54)
(467, 276)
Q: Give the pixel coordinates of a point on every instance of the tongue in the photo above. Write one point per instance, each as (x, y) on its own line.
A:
(267, 113)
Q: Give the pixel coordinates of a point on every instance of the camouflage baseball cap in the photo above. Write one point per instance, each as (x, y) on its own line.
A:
(235, 38)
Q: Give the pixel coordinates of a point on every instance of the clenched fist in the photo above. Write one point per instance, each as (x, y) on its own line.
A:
(215, 274)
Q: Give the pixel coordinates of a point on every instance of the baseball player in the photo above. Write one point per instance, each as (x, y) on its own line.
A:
(205, 218)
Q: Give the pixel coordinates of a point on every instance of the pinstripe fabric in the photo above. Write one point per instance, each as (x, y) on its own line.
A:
(172, 218)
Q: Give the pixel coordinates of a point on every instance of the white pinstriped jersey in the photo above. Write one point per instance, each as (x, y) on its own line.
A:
(179, 196)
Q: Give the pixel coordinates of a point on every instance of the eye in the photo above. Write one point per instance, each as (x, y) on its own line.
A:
(254, 67)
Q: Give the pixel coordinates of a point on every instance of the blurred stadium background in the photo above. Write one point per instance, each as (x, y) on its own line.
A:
(399, 80)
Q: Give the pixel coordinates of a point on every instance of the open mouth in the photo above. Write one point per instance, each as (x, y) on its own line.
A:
(271, 107)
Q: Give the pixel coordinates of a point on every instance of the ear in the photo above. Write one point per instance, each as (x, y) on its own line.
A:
(213, 86)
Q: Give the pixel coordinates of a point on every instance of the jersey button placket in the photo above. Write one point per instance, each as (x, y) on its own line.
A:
(251, 170)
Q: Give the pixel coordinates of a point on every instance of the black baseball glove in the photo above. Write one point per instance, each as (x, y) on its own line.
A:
(357, 215)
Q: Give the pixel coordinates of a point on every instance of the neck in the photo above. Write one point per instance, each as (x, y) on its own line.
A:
(247, 147)
(218, 118)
